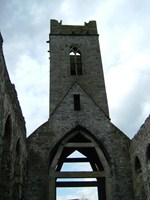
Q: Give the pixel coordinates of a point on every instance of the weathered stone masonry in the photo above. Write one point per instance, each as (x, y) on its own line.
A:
(140, 160)
(78, 120)
(12, 138)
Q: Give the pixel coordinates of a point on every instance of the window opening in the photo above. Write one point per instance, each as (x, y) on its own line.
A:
(18, 148)
(76, 154)
(76, 162)
(76, 188)
(137, 165)
(75, 62)
(148, 153)
(79, 193)
(76, 102)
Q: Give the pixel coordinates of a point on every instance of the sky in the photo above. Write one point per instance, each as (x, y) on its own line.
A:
(124, 28)
(82, 193)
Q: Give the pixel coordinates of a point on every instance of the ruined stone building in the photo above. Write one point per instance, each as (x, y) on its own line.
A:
(79, 121)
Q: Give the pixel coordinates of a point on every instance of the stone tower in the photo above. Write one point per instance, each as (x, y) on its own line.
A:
(78, 133)
(75, 58)
(78, 122)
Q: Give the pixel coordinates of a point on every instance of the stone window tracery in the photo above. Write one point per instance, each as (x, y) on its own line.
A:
(75, 61)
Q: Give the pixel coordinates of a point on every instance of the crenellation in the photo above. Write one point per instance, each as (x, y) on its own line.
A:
(87, 29)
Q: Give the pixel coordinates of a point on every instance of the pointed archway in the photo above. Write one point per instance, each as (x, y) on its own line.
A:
(80, 141)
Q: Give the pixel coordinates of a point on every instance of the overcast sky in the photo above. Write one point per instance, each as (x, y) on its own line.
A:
(124, 28)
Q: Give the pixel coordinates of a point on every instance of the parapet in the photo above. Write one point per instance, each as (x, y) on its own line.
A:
(57, 28)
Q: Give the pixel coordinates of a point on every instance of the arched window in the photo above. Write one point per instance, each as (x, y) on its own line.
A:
(75, 61)
(137, 165)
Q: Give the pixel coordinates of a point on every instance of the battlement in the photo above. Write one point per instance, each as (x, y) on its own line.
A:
(57, 28)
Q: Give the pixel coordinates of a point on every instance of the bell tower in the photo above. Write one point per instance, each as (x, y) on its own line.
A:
(79, 131)
(75, 58)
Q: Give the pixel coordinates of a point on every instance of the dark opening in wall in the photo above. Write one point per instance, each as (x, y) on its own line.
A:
(148, 153)
(18, 148)
(75, 62)
(76, 102)
(137, 165)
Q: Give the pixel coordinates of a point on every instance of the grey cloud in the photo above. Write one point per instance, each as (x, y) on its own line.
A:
(131, 112)
(25, 28)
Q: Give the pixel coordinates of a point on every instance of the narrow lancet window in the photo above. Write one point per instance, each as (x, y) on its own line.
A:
(138, 168)
(75, 62)
(76, 102)
(148, 153)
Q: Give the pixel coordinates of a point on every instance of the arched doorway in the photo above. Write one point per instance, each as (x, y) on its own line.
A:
(99, 176)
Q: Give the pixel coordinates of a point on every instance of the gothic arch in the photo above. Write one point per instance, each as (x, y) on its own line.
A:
(83, 142)
(75, 61)
(6, 160)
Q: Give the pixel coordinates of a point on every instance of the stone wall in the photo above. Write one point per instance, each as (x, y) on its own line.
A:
(12, 138)
(25, 173)
(92, 117)
(140, 161)
(112, 141)
(88, 28)
(92, 79)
